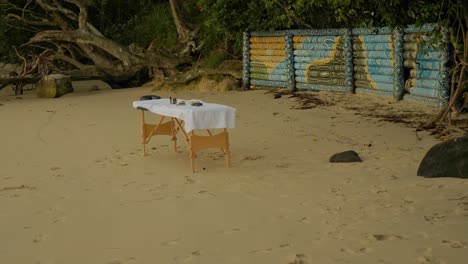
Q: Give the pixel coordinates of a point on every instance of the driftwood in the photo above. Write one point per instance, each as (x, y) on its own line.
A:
(4, 81)
(67, 42)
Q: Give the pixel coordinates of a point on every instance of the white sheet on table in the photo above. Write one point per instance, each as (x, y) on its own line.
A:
(207, 116)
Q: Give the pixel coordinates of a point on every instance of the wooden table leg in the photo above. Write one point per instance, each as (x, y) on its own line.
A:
(148, 130)
(174, 133)
(192, 153)
(199, 143)
(143, 132)
(227, 153)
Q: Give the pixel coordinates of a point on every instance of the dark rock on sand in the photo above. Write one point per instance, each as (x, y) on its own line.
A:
(347, 156)
(446, 159)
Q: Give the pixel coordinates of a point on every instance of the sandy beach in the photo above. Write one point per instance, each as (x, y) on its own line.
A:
(74, 187)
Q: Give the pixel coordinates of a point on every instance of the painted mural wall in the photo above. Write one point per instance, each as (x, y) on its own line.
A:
(381, 61)
(373, 58)
(268, 64)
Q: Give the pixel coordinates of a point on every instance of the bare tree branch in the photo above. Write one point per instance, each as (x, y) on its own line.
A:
(23, 20)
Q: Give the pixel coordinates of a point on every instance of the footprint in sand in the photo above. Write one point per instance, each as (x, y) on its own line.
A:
(454, 243)
(298, 259)
(253, 157)
(188, 180)
(56, 171)
(433, 218)
(285, 245)
(229, 231)
(429, 260)
(190, 256)
(39, 238)
(214, 156)
(59, 219)
(20, 187)
(170, 243)
(263, 251)
(113, 159)
(45, 262)
(385, 237)
(283, 165)
(206, 192)
(360, 251)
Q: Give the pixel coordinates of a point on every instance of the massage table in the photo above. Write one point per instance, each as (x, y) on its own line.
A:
(175, 118)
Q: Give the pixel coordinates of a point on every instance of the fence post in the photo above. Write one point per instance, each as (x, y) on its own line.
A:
(290, 62)
(444, 78)
(348, 56)
(398, 70)
(246, 61)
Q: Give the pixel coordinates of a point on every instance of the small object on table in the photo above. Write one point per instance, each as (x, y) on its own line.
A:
(197, 104)
(181, 103)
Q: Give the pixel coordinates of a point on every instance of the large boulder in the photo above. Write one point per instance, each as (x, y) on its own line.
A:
(446, 159)
(53, 86)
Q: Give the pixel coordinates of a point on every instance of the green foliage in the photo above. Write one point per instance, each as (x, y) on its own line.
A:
(155, 23)
(138, 21)
(9, 37)
(214, 59)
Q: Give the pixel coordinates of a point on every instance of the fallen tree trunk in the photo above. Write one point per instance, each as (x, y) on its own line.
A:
(5, 81)
(67, 42)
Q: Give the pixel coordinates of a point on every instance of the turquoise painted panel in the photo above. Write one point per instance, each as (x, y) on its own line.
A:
(428, 84)
(425, 92)
(270, 83)
(374, 62)
(313, 53)
(338, 81)
(316, 46)
(266, 70)
(375, 38)
(428, 65)
(279, 70)
(319, 87)
(324, 73)
(372, 91)
(421, 55)
(309, 59)
(425, 74)
(270, 77)
(304, 66)
(374, 70)
(358, 46)
(314, 39)
(375, 77)
(384, 54)
(374, 85)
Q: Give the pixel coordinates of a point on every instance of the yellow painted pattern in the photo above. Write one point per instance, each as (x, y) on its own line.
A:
(364, 50)
(366, 66)
(267, 52)
(266, 39)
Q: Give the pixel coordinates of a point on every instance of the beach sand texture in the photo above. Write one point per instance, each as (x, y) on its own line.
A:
(74, 187)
